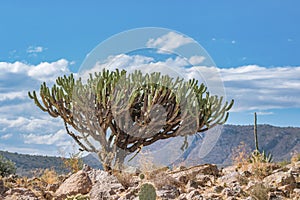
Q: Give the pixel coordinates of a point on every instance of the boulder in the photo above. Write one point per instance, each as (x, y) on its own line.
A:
(280, 179)
(168, 192)
(20, 194)
(78, 183)
(191, 173)
(105, 187)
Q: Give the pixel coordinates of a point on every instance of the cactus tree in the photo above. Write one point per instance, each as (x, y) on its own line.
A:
(125, 112)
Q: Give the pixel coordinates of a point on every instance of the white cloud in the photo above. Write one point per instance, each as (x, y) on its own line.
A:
(259, 88)
(265, 113)
(169, 42)
(6, 136)
(196, 60)
(49, 139)
(13, 95)
(44, 71)
(35, 49)
(49, 71)
(19, 115)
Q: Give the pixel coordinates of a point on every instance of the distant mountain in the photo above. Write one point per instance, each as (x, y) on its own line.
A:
(28, 164)
(280, 141)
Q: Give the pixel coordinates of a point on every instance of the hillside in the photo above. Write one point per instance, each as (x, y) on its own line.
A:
(281, 142)
(27, 164)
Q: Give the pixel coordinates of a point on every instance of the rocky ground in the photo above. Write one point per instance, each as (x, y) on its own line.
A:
(249, 181)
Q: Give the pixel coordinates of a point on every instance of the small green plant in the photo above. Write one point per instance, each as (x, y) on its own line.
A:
(257, 155)
(142, 176)
(147, 192)
(78, 197)
(7, 167)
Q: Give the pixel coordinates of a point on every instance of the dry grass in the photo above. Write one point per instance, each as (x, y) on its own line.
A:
(240, 156)
(126, 179)
(259, 192)
(74, 162)
(295, 157)
(260, 170)
(50, 176)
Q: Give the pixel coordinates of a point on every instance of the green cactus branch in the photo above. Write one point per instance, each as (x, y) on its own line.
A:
(124, 112)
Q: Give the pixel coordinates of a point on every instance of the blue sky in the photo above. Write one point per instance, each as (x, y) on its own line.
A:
(256, 45)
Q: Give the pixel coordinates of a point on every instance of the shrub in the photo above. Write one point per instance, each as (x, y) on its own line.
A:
(74, 163)
(295, 157)
(7, 167)
(240, 155)
(49, 176)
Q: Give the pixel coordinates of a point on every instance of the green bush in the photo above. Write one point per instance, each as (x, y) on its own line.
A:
(7, 167)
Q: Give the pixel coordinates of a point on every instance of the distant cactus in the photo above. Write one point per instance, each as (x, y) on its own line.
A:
(257, 155)
(147, 192)
(123, 112)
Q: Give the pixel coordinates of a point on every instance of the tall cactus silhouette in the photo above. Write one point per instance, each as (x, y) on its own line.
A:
(125, 112)
(257, 155)
(255, 132)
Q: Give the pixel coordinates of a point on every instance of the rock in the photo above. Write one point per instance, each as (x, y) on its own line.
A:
(52, 187)
(182, 197)
(49, 195)
(190, 173)
(78, 183)
(281, 179)
(258, 190)
(204, 180)
(105, 186)
(20, 194)
(235, 191)
(2, 187)
(218, 189)
(229, 179)
(274, 196)
(246, 174)
(296, 193)
(168, 192)
(227, 192)
(194, 195)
